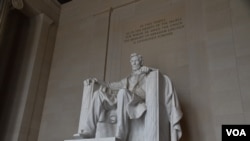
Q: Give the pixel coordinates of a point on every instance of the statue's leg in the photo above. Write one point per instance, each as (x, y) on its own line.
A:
(123, 97)
(94, 112)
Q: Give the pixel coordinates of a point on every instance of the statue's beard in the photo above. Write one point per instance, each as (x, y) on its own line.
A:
(135, 68)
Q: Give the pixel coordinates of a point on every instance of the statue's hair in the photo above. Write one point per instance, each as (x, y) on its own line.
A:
(138, 56)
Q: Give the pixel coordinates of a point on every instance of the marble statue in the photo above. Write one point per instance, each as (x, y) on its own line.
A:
(145, 95)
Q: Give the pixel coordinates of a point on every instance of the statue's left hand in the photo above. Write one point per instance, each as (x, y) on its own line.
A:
(145, 69)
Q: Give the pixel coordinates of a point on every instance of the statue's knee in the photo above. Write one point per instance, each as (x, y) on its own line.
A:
(96, 94)
(122, 91)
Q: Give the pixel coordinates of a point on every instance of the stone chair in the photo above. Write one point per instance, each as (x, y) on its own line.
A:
(159, 123)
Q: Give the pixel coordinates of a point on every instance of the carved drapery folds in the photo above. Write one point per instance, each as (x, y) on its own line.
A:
(18, 4)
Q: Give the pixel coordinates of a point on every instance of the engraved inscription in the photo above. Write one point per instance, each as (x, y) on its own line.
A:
(152, 30)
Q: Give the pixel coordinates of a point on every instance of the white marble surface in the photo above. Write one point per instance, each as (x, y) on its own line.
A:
(139, 98)
(96, 139)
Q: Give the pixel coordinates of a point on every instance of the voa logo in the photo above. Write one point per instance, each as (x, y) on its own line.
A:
(236, 132)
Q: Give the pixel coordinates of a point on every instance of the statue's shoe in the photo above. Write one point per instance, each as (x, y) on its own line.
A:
(82, 135)
(118, 139)
(86, 134)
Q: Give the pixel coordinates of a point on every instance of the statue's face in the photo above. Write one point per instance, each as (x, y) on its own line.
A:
(135, 63)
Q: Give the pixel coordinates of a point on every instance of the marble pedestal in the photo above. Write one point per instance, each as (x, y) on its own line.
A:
(95, 139)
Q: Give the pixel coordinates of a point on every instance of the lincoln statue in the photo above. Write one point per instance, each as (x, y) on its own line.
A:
(130, 99)
(141, 107)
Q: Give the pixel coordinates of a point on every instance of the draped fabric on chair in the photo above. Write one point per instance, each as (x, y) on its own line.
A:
(163, 109)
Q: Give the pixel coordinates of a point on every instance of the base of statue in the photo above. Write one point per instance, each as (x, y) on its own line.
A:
(96, 139)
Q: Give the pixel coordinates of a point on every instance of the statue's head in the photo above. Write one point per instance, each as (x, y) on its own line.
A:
(136, 61)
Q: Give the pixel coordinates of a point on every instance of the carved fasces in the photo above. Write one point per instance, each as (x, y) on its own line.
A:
(88, 91)
(151, 130)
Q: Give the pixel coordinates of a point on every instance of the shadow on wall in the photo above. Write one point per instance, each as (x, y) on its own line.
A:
(186, 132)
(184, 122)
(189, 128)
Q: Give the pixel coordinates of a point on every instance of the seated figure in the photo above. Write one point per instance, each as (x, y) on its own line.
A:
(128, 99)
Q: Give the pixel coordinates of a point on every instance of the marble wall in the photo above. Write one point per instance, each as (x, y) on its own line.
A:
(206, 56)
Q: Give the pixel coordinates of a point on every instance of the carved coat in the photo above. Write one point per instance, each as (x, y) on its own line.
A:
(136, 106)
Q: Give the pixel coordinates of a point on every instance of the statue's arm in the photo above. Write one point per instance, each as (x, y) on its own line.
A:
(96, 81)
(146, 70)
(113, 85)
(116, 85)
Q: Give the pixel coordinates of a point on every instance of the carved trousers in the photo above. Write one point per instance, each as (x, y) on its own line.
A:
(122, 99)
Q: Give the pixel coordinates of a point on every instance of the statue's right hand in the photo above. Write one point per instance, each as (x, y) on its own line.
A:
(89, 81)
